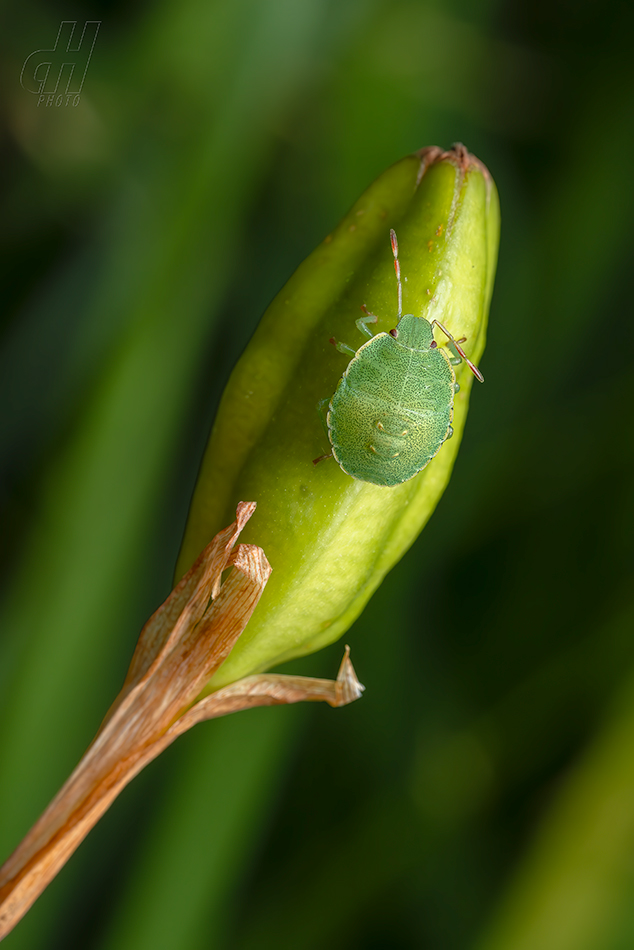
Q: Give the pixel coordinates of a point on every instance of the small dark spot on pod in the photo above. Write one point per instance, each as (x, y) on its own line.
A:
(394, 332)
(433, 345)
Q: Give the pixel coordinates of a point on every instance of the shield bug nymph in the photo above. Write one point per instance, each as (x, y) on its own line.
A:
(393, 406)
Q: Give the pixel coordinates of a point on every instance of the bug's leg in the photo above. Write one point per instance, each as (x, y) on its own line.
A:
(322, 409)
(397, 271)
(342, 347)
(456, 360)
(461, 353)
(362, 322)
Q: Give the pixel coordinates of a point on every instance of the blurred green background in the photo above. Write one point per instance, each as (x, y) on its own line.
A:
(481, 794)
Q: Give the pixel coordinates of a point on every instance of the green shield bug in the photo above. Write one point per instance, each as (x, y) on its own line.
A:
(393, 406)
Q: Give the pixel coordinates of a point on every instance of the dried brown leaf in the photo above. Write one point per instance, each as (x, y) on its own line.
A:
(180, 647)
(271, 689)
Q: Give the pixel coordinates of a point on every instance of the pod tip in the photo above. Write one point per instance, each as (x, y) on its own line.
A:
(458, 155)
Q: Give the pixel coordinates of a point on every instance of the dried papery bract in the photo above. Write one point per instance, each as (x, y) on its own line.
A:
(180, 647)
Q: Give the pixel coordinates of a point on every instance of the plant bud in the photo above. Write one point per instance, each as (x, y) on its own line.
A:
(331, 538)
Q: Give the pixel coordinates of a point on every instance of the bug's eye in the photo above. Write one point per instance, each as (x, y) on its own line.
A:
(433, 345)
(394, 332)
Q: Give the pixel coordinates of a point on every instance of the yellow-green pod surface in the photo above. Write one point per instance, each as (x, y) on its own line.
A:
(329, 537)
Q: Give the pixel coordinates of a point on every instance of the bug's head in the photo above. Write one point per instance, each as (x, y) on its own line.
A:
(414, 332)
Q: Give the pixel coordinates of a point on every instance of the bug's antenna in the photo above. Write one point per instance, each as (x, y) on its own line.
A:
(474, 369)
(397, 268)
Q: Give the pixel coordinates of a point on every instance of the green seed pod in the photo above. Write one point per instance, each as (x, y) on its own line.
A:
(329, 537)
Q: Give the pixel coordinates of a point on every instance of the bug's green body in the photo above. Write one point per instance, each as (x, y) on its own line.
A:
(393, 407)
